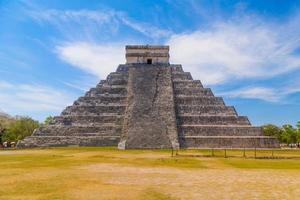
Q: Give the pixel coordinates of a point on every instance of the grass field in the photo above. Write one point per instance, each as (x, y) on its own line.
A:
(108, 173)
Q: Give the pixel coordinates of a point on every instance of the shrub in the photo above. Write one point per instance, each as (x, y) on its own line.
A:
(19, 129)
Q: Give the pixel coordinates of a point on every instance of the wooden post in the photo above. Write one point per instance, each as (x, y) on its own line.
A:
(272, 153)
(255, 149)
(244, 153)
(225, 155)
(172, 152)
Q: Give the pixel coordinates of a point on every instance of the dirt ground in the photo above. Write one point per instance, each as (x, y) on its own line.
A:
(103, 173)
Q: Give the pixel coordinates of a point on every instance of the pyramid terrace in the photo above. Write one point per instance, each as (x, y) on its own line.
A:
(150, 103)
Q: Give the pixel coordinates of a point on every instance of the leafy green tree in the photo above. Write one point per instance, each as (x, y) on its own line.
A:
(4, 124)
(48, 120)
(289, 134)
(19, 129)
(298, 133)
(286, 134)
(273, 130)
(298, 125)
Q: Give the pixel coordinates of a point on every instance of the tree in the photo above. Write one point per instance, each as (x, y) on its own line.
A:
(5, 122)
(298, 133)
(48, 120)
(289, 134)
(19, 129)
(273, 130)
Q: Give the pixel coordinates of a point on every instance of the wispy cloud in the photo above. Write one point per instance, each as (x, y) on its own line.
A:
(240, 48)
(83, 83)
(94, 23)
(248, 47)
(144, 28)
(95, 59)
(263, 93)
(269, 94)
(25, 99)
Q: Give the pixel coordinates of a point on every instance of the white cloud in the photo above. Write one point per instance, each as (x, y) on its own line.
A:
(25, 99)
(93, 23)
(95, 59)
(146, 29)
(82, 83)
(245, 48)
(279, 94)
(263, 93)
(5, 85)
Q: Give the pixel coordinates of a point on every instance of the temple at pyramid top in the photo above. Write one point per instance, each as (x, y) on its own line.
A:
(147, 54)
(149, 103)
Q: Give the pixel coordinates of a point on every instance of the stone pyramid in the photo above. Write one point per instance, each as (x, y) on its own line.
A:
(149, 103)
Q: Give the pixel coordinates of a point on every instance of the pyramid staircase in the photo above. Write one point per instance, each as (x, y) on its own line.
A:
(97, 118)
(93, 120)
(204, 121)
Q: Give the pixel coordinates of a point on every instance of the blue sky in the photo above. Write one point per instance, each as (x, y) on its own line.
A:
(51, 52)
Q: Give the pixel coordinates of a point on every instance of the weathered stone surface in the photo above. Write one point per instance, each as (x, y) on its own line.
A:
(150, 106)
(228, 142)
(150, 120)
(143, 53)
(93, 120)
(49, 141)
(204, 121)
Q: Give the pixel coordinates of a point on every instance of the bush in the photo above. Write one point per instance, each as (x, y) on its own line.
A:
(4, 124)
(286, 134)
(48, 120)
(19, 129)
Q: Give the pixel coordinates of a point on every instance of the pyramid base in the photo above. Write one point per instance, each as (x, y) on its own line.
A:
(228, 142)
(59, 141)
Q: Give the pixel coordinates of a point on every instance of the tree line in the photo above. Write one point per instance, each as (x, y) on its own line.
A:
(286, 134)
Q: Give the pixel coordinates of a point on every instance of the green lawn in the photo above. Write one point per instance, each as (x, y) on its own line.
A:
(108, 173)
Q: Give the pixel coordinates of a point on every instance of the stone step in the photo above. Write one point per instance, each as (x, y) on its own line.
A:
(186, 83)
(105, 95)
(89, 120)
(112, 89)
(213, 119)
(228, 142)
(117, 78)
(55, 130)
(104, 90)
(219, 130)
(181, 76)
(54, 141)
(101, 83)
(176, 68)
(123, 68)
(194, 100)
(193, 91)
(94, 110)
(105, 83)
(101, 100)
(205, 110)
(118, 74)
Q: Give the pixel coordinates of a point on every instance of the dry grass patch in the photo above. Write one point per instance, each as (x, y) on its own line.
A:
(108, 173)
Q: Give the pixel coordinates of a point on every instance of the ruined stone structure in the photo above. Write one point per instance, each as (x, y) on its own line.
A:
(149, 103)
